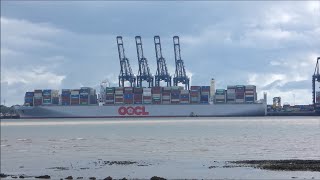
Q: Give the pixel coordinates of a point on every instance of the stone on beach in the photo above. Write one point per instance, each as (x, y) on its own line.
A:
(43, 177)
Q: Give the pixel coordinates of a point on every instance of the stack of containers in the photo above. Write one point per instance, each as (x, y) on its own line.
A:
(37, 98)
(240, 91)
(250, 94)
(55, 97)
(93, 96)
(109, 95)
(46, 97)
(318, 97)
(195, 94)
(220, 96)
(118, 97)
(166, 95)
(184, 97)
(137, 91)
(175, 95)
(65, 97)
(231, 94)
(156, 94)
(128, 95)
(75, 97)
(84, 95)
(28, 98)
(147, 96)
(205, 94)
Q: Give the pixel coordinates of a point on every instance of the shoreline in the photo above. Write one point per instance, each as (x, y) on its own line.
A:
(270, 165)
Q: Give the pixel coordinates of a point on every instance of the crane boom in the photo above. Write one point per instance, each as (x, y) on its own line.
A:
(316, 78)
(162, 73)
(125, 68)
(180, 73)
(144, 71)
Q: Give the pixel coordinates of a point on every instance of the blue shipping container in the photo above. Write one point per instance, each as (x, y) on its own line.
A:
(85, 96)
(249, 98)
(28, 100)
(184, 96)
(128, 96)
(46, 91)
(74, 96)
(29, 94)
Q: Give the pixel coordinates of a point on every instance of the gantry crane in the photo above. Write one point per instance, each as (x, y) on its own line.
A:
(144, 71)
(315, 77)
(180, 74)
(162, 73)
(125, 69)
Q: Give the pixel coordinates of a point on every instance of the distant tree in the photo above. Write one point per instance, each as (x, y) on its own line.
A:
(5, 109)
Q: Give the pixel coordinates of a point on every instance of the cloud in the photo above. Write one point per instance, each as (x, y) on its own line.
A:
(273, 46)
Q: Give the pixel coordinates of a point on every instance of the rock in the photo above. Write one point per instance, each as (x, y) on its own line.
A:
(210, 167)
(108, 178)
(21, 176)
(3, 175)
(43, 177)
(92, 178)
(69, 177)
(14, 177)
(124, 178)
(79, 177)
(157, 178)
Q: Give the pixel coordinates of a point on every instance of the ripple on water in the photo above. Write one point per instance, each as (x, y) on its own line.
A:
(5, 145)
(24, 140)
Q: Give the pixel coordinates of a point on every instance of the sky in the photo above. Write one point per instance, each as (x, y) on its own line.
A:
(57, 44)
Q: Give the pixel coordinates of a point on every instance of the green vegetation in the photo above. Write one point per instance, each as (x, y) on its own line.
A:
(5, 109)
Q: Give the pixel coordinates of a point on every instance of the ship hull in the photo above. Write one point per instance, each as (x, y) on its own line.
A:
(124, 111)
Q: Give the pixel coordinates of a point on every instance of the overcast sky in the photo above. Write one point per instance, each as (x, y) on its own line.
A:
(273, 45)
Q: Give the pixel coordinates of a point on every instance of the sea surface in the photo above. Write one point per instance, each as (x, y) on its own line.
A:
(167, 147)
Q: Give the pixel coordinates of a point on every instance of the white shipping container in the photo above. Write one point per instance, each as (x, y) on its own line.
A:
(74, 92)
(37, 94)
(250, 87)
(249, 91)
(220, 96)
(239, 100)
(249, 95)
(184, 91)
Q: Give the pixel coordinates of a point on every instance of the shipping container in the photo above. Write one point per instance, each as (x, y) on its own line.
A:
(29, 94)
(138, 90)
(220, 91)
(37, 101)
(109, 90)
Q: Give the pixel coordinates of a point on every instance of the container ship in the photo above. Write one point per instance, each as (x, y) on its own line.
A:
(142, 102)
(150, 101)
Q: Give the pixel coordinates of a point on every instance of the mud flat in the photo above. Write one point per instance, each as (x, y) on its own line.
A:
(281, 165)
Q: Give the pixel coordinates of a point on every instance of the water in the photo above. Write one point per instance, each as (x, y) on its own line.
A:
(171, 148)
